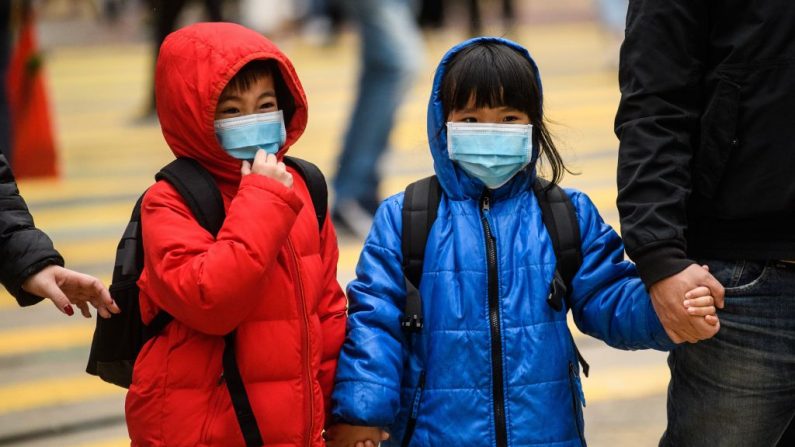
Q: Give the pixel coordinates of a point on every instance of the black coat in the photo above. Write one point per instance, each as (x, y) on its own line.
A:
(707, 129)
(24, 250)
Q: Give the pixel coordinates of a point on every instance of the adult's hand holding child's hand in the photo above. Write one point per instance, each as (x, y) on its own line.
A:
(267, 165)
(667, 297)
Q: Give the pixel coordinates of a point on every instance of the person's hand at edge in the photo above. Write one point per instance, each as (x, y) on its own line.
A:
(65, 287)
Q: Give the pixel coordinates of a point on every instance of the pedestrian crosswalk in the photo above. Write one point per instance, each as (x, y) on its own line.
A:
(109, 158)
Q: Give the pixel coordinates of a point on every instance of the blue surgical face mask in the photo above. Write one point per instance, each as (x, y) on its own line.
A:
(242, 136)
(491, 153)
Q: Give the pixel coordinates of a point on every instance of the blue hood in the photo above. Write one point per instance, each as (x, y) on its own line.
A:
(455, 182)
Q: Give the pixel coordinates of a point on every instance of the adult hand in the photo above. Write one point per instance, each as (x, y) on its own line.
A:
(346, 435)
(267, 165)
(667, 297)
(63, 286)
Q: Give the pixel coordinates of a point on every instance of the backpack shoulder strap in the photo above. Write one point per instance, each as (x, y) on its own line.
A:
(315, 182)
(420, 204)
(560, 219)
(199, 190)
(201, 193)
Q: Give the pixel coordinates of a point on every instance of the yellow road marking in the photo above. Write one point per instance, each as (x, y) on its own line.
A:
(45, 338)
(58, 391)
(117, 442)
(627, 382)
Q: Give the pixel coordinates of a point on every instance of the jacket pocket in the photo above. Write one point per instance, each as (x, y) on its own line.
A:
(577, 402)
(718, 137)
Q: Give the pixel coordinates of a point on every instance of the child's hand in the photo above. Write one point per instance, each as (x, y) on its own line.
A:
(266, 165)
(344, 435)
(699, 303)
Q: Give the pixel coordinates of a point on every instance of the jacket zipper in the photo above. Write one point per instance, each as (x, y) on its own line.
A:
(415, 410)
(575, 402)
(215, 402)
(305, 336)
(501, 431)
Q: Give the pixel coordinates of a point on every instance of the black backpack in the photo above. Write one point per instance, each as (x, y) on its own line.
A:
(420, 204)
(118, 339)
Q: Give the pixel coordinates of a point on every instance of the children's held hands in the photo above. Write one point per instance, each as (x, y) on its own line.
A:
(267, 165)
(65, 287)
(345, 435)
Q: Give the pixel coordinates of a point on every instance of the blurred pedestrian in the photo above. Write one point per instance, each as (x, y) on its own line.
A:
(31, 269)
(165, 14)
(431, 14)
(612, 17)
(476, 21)
(705, 170)
(324, 21)
(391, 55)
(5, 57)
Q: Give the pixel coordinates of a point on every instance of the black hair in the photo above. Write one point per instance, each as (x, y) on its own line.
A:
(252, 71)
(496, 75)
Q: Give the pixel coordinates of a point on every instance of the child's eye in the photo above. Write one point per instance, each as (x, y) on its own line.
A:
(267, 105)
(510, 118)
(230, 111)
(469, 119)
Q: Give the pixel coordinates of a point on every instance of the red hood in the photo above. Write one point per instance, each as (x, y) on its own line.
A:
(194, 66)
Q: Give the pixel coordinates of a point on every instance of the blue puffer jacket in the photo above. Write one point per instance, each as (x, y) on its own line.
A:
(471, 345)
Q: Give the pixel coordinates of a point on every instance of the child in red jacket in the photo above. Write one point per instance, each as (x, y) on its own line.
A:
(229, 99)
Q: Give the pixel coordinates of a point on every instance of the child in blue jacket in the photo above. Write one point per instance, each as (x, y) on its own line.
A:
(494, 364)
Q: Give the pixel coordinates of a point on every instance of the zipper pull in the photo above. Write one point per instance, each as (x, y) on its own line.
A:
(485, 203)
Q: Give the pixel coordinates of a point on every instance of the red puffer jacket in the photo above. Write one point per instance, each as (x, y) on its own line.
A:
(269, 274)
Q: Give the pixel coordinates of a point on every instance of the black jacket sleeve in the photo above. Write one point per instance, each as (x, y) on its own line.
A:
(24, 250)
(661, 79)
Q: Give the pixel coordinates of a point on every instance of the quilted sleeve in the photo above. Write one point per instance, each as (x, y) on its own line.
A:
(609, 299)
(367, 388)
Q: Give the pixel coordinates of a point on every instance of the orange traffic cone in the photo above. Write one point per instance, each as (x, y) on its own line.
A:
(33, 144)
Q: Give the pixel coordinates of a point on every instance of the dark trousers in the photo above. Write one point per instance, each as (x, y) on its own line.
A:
(166, 13)
(475, 22)
(431, 13)
(737, 389)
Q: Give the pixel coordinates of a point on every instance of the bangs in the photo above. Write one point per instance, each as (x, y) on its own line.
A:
(250, 73)
(492, 74)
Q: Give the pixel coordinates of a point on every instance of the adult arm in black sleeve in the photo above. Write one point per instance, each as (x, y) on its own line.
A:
(24, 250)
(661, 78)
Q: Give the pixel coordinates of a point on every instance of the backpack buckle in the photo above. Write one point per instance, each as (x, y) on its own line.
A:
(411, 323)
(557, 290)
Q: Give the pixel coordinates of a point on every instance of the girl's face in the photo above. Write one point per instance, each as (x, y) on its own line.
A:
(496, 115)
